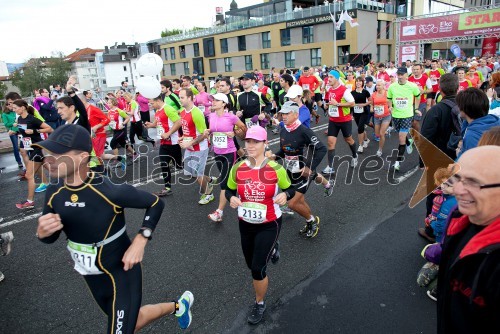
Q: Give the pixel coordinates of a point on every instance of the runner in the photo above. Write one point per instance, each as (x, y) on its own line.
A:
(361, 112)
(463, 83)
(136, 125)
(222, 124)
(425, 86)
(195, 144)
(203, 100)
(295, 139)
(257, 201)
(118, 123)
(308, 81)
(171, 98)
(167, 123)
(99, 244)
(30, 128)
(248, 103)
(98, 121)
(339, 100)
(294, 95)
(381, 109)
(434, 74)
(402, 96)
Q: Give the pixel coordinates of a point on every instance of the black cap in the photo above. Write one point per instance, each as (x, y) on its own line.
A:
(369, 79)
(402, 70)
(247, 76)
(67, 138)
(306, 68)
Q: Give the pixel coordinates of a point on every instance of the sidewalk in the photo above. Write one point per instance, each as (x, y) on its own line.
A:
(5, 143)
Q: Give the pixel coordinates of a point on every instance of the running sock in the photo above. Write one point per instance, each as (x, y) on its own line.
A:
(260, 303)
(311, 219)
(353, 150)
(29, 201)
(401, 152)
(331, 156)
(220, 211)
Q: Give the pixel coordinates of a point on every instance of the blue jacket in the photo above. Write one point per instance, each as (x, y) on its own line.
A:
(472, 132)
(439, 224)
(305, 116)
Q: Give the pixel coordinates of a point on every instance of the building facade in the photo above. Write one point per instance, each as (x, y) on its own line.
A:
(84, 67)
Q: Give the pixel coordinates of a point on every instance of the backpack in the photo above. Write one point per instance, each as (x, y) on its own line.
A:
(456, 125)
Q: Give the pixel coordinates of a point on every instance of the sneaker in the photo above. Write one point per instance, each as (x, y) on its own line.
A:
(135, 157)
(257, 313)
(314, 228)
(286, 210)
(409, 148)
(360, 149)
(329, 188)
(396, 166)
(427, 274)
(210, 187)
(41, 188)
(354, 162)
(25, 205)
(6, 243)
(165, 192)
(20, 166)
(123, 163)
(432, 295)
(206, 198)
(22, 173)
(183, 315)
(328, 170)
(305, 228)
(215, 216)
(379, 153)
(276, 254)
(366, 142)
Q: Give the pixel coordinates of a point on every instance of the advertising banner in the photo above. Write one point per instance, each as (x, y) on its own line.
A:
(453, 25)
(408, 52)
(489, 46)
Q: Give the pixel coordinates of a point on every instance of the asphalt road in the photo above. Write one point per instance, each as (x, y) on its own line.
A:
(357, 276)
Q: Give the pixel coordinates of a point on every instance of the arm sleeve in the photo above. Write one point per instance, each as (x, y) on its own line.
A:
(104, 120)
(128, 196)
(122, 113)
(284, 182)
(199, 120)
(47, 208)
(318, 148)
(231, 183)
(171, 113)
(267, 104)
(348, 96)
(83, 119)
(8, 122)
(389, 93)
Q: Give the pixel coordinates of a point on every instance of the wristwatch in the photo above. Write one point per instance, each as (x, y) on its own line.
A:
(146, 233)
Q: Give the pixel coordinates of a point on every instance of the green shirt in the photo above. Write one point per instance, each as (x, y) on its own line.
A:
(402, 97)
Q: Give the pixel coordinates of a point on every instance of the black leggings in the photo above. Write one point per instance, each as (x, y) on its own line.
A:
(257, 242)
(119, 138)
(361, 119)
(135, 130)
(169, 153)
(224, 163)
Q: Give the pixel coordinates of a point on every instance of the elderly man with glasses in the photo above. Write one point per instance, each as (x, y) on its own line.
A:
(469, 271)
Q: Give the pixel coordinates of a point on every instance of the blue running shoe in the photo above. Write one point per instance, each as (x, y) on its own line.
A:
(41, 188)
(183, 315)
(124, 163)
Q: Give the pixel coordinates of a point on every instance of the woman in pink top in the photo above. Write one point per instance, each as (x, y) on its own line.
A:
(381, 109)
(203, 100)
(221, 129)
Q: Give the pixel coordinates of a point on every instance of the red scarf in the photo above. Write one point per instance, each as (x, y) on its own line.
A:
(293, 126)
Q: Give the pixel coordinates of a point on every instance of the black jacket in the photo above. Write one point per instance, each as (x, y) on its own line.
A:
(469, 285)
(437, 126)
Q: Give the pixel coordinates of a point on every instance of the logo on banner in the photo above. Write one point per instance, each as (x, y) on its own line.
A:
(445, 26)
(409, 31)
(406, 50)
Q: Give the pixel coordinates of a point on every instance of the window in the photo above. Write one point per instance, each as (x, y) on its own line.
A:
(343, 54)
(242, 43)
(172, 53)
(228, 64)
(315, 57)
(165, 53)
(172, 69)
(248, 63)
(223, 46)
(165, 69)
(266, 40)
(182, 51)
(307, 35)
(135, 66)
(198, 66)
(126, 79)
(285, 37)
(186, 68)
(196, 49)
(264, 61)
(124, 68)
(341, 32)
(213, 65)
(290, 59)
(208, 47)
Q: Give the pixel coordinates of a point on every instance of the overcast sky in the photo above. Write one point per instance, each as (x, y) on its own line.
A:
(36, 28)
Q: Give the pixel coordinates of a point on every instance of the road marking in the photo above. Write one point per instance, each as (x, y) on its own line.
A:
(407, 175)
(20, 220)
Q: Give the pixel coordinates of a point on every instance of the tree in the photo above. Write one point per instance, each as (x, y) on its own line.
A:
(166, 32)
(3, 90)
(58, 70)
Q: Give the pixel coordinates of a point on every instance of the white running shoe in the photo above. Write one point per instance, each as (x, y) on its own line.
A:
(328, 170)
(205, 199)
(365, 143)
(360, 149)
(354, 162)
(379, 153)
(396, 166)
(215, 216)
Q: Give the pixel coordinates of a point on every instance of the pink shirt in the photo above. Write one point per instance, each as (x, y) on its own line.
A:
(224, 123)
(143, 103)
(203, 99)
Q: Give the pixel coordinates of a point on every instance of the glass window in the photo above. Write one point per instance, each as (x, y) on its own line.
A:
(307, 35)
(341, 32)
(343, 54)
(182, 51)
(242, 43)
(165, 53)
(186, 68)
(248, 63)
(290, 59)
(172, 69)
(124, 68)
(223, 46)
(285, 37)
(228, 64)
(264, 61)
(165, 69)
(213, 65)
(266, 40)
(196, 48)
(315, 57)
(172, 53)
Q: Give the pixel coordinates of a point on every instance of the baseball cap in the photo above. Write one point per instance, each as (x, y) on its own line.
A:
(369, 79)
(221, 97)
(294, 91)
(256, 132)
(247, 76)
(334, 74)
(402, 70)
(289, 107)
(67, 138)
(306, 68)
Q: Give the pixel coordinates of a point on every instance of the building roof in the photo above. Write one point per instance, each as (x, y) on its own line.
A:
(82, 55)
(7, 78)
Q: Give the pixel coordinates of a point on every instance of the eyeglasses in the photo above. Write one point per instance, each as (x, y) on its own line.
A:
(471, 185)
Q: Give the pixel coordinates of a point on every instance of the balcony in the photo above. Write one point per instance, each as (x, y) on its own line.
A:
(239, 22)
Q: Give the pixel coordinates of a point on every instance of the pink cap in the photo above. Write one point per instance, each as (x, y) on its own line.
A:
(256, 132)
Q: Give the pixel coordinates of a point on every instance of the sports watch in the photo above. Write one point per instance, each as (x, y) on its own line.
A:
(146, 233)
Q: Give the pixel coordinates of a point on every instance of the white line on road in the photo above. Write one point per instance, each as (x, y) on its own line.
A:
(20, 220)
(407, 175)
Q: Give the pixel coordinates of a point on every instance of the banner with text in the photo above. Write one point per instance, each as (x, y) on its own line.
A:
(408, 52)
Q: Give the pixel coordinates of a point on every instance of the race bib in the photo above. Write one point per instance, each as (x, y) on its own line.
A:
(22, 126)
(401, 103)
(219, 140)
(305, 86)
(27, 143)
(84, 257)
(333, 111)
(358, 109)
(249, 123)
(292, 164)
(253, 213)
(187, 140)
(378, 110)
(159, 131)
(112, 125)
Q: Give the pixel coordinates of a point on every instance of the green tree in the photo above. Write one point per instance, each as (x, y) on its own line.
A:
(172, 32)
(3, 90)
(58, 70)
